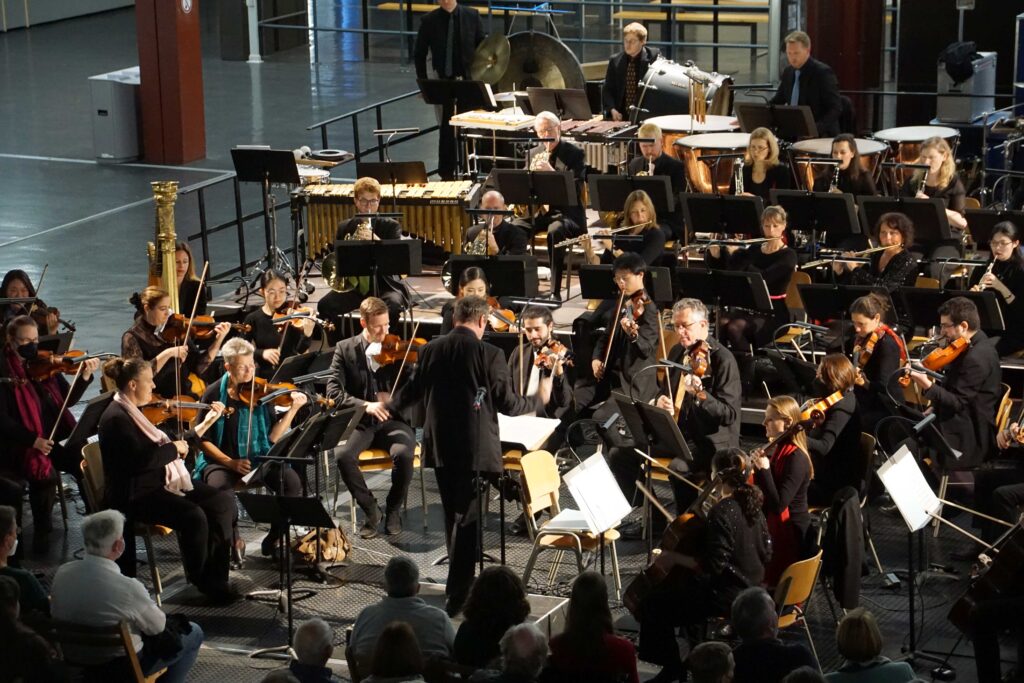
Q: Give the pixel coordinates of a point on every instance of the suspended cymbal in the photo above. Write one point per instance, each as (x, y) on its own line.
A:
(539, 60)
(490, 59)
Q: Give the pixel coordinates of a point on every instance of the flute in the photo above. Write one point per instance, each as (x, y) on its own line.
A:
(577, 240)
(856, 254)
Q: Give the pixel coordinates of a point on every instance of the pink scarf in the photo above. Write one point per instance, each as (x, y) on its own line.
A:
(176, 477)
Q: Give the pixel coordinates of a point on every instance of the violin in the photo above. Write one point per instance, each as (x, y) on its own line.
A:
(634, 306)
(500, 319)
(814, 411)
(280, 393)
(394, 349)
(555, 350)
(999, 579)
(174, 329)
(296, 315)
(48, 364)
(864, 347)
(939, 358)
(41, 312)
(183, 408)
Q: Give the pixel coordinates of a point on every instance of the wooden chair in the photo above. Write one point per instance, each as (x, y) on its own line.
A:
(379, 460)
(793, 593)
(541, 487)
(93, 483)
(1004, 410)
(926, 282)
(65, 633)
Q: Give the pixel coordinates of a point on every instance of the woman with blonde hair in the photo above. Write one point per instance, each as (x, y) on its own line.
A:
(783, 474)
(762, 171)
(942, 181)
(860, 643)
(637, 210)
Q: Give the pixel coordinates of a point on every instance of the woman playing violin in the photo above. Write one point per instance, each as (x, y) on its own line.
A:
(147, 481)
(29, 411)
(275, 342)
(877, 353)
(142, 341)
(783, 474)
(735, 549)
(190, 293)
(1006, 278)
(17, 285)
(638, 210)
(834, 445)
(236, 443)
(473, 282)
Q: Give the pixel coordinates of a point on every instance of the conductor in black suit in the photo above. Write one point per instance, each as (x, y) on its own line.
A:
(810, 82)
(653, 161)
(464, 383)
(450, 34)
(625, 71)
(357, 379)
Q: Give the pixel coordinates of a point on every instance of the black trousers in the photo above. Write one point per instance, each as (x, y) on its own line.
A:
(461, 526)
(559, 229)
(447, 146)
(279, 479)
(336, 304)
(988, 619)
(42, 494)
(203, 518)
(998, 493)
(627, 467)
(393, 436)
(668, 606)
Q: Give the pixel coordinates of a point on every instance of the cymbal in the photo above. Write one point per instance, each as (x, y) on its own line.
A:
(539, 60)
(490, 59)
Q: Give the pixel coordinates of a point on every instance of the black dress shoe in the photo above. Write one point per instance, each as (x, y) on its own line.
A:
(269, 545)
(393, 522)
(222, 593)
(371, 525)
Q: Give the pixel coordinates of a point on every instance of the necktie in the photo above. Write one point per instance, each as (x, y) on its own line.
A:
(794, 98)
(449, 47)
(631, 86)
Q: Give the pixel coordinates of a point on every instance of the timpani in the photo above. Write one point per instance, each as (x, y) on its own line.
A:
(905, 143)
(871, 154)
(677, 126)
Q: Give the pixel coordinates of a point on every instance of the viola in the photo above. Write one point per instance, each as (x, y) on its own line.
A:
(814, 411)
(939, 358)
(183, 408)
(41, 312)
(500, 319)
(176, 326)
(555, 350)
(48, 364)
(394, 349)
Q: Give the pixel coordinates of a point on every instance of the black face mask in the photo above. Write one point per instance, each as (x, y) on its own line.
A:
(28, 351)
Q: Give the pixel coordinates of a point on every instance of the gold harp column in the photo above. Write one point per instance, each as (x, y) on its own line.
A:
(161, 255)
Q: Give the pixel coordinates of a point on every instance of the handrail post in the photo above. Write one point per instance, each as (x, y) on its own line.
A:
(380, 125)
(323, 137)
(355, 136)
(774, 39)
(241, 226)
(203, 236)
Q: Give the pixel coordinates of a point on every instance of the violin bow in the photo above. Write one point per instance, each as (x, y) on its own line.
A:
(611, 334)
(251, 401)
(64, 406)
(522, 367)
(39, 286)
(188, 330)
(664, 354)
(408, 348)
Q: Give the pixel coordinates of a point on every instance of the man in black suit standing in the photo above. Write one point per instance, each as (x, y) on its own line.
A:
(464, 383)
(450, 34)
(810, 82)
(357, 379)
(653, 161)
(625, 71)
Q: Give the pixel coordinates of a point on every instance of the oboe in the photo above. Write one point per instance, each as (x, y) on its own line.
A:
(924, 181)
(835, 180)
(737, 170)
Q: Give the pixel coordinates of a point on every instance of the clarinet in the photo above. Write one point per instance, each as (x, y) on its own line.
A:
(924, 181)
(737, 169)
(834, 185)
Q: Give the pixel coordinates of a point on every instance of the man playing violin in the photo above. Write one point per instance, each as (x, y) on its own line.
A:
(245, 434)
(358, 379)
(542, 356)
(965, 402)
(29, 411)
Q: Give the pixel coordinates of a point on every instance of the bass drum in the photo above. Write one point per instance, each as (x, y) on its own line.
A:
(665, 89)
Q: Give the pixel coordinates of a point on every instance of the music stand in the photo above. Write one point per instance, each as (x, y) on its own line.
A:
(567, 103)
(725, 288)
(467, 95)
(88, 424)
(927, 215)
(722, 213)
(833, 302)
(818, 213)
(922, 304)
(534, 188)
(393, 172)
(263, 165)
(508, 275)
(787, 121)
(980, 222)
(596, 282)
(609, 192)
(379, 258)
(57, 343)
(293, 366)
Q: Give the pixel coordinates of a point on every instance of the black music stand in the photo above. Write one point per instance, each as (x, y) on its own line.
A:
(259, 164)
(57, 343)
(928, 216)
(596, 282)
(825, 302)
(980, 222)
(725, 288)
(88, 423)
(609, 192)
(566, 103)
(393, 172)
(922, 304)
(535, 188)
(508, 275)
(379, 258)
(787, 121)
(819, 213)
(722, 213)
(467, 95)
(293, 366)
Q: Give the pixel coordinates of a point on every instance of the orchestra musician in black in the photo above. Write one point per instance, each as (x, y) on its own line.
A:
(621, 91)
(499, 234)
(807, 81)
(878, 352)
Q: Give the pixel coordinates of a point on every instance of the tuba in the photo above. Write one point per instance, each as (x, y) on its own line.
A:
(329, 268)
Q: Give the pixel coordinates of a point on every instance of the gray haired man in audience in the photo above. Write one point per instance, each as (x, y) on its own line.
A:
(524, 650)
(761, 657)
(313, 645)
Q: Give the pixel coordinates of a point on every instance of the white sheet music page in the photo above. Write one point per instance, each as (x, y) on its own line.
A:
(909, 490)
(597, 494)
(528, 431)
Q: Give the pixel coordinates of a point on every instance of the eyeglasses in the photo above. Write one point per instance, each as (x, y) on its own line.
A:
(368, 200)
(1000, 243)
(685, 326)
(946, 326)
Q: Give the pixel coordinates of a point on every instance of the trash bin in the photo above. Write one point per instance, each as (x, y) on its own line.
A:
(115, 115)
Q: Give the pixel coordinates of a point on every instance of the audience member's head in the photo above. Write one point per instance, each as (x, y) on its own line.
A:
(280, 676)
(397, 652)
(858, 636)
(401, 577)
(497, 596)
(8, 533)
(103, 533)
(753, 615)
(314, 642)
(524, 650)
(589, 618)
(805, 674)
(711, 662)
(10, 597)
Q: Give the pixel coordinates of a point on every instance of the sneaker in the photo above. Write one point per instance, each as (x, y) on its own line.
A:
(393, 522)
(371, 524)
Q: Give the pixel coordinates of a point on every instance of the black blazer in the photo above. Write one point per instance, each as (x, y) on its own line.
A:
(835, 449)
(451, 369)
(630, 356)
(819, 90)
(433, 34)
(674, 169)
(133, 465)
(561, 391)
(879, 374)
(349, 383)
(965, 402)
(385, 229)
(567, 157)
(511, 238)
(613, 94)
(714, 423)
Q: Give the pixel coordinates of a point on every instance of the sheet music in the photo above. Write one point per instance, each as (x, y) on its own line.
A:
(597, 494)
(906, 484)
(252, 473)
(528, 431)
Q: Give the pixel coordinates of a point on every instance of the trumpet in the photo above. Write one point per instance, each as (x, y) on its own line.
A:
(840, 257)
(576, 240)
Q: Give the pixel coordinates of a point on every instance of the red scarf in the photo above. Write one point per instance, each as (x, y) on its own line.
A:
(777, 462)
(36, 465)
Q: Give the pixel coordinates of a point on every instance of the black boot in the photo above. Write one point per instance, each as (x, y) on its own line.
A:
(371, 525)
